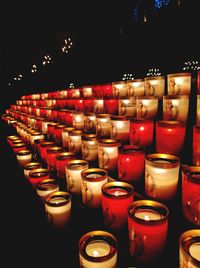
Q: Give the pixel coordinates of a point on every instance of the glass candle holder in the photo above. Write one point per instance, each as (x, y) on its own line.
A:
(87, 92)
(170, 136)
(111, 105)
(103, 125)
(154, 86)
(24, 157)
(58, 208)
(78, 120)
(38, 175)
(98, 249)
(161, 176)
(51, 157)
(35, 136)
(61, 161)
(189, 248)
(30, 166)
(127, 106)
(90, 147)
(11, 138)
(179, 84)
(92, 181)
(135, 87)
(43, 150)
(58, 133)
(196, 145)
(131, 159)
(19, 147)
(146, 107)
(116, 198)
(98, 107)
(51, 130)
(198, 110)
(176, 108)
(73, 171)
(88, 105)
(108, 154)
(89, 123)
(120, 126)
(141, 131)
(120, 89)
(75, 141)
(79, 105)
(190, 194)
(65, 136)
(147, 227)
(46, 187)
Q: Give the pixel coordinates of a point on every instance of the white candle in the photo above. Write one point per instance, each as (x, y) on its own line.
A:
(24, 157)
(78, 120)
(46, 187)
(146, 107)
(120, 129)
(194, 250)
(75, 141)
(148, 214)
(87, 92)
(98, 248)
(98, 106)
(103, 126)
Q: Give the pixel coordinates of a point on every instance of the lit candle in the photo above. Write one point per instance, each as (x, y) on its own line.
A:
(189, 249)
(61, 161)
(92, 181)
(196, 145)
(146, 107)
(154, 86)
(43, 150)
(75, 141)
(58, 208)
(46, 187)
(78, 120)
(127, 106)
(24, 157)
(90, 147)
(89, 123)
(30, 166)
(87, 92)
(161, 176)
(103, 126)
(98, 106)
(88, 105)
(65, 136)
(120, 126)
(79, 105)
(116, 197)
(51, 130)
(111, 105)
(58, 133)
(135, 87)
(98, 249)
(179, 83)
(38, 175)
(120, 89)
(147, 227)
(51, 157)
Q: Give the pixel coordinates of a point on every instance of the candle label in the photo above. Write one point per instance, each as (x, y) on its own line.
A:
(87, 193)
(85, 151)
(122, 109)
(141, 109)
(113, 132)
(88, 124)
(70, 180)
(171, 110)
(109, 216)
(150, 185)
(136, 247)
(149, 89)
(104, 159)
(193, 205)
(174, 89)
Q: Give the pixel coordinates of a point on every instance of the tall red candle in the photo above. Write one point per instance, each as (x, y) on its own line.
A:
(43, 150)
(111, 105)
(51, 157)
(58, 133)
(61, 161)
(196, 145)
(51, 130)
(88, 104)
(38, 175)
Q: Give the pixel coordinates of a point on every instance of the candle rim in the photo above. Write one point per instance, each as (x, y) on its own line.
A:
(117, 184)
(24, 152)
(166, 97)
(65, 155)
(52, 185)
(159, 77)
(66, 195)
(170, 123)
(131, 149)
(32, 165)
(174, 161)
(39, 172)
(89, 171)
(55, 149)
(72, 164)
(109, 142)
(179, 74)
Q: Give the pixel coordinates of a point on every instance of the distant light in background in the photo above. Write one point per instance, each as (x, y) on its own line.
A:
(18, 77)
(71, 85)
(127, 77)
(47, 60)
(34, 69)
(191, 65)
(67, 45)
(153, 72)
(161, 3)
(9, 84)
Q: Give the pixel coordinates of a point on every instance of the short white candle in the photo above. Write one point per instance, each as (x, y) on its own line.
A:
(24, 157)
(194, 250)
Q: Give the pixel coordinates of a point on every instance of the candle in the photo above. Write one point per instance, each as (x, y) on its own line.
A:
(75, 141)
(154, 86)
(35, 136)
(78, 120)
(79, 105)
(46, 187)
(61, 161)
(146, 107)
(190, 194)
(58, 208)
(98, 106)
(131, 159)
(73, 171)
(147, 227)
(43, 150)
(161, 176)
(120, 126)
(24, 157)
(87, 92)
(198, 110)
(92, 181)
(135, 87)
(51, 157)
(65, 136)
(88, 105)
(98, 249)
(120, 89)
(30, 166)
(89, 123)
(116, 197)
(179, 84)
(127, 106)
(196, 145)
(90, 147)
(170, 136)
(189, 249)
(38, 175)
(103, 125)
(58, 133)
(111, 105)
(51, 130)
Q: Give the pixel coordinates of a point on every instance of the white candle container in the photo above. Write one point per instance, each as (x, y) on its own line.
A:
(24, 157)
(58, 208)
(120, 89)
(161, 176)
(90, 147)
(98, 106)
(135, 87)
(36, 136)
(46, 187)
(87, 92)
(78, 120)
(92, 181)
(154, 86)
(31, 166)
(127, 106)
(189, 249)
(75, 141)
(120, 127)
(73, 171)
(179, 84)
(65, 136)
(103, 125)
(146, 107)
(89, 123)
(98, 249)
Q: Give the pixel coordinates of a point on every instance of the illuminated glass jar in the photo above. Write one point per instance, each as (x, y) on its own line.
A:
(161, 176)
(154, 86)
(78, 120)
(88, 105)
(131, 160)
(87, 92)
(37, 149)
(120, 127)
(179, 84)
(58, 208)
(79, 105)
(46, 187)
(176, 108)
(75, 141)
(38, 175)
(73, 171)
(43, 150)
(108, 154)
(45, 126)
(120, 89)
(116, 198)
(89, 123)
(65, 136)
(24, 157)
(35, 136)
(51, 157)
(51, 130)
(90, 147)
(98, 249)
(18, 147)
(58, 133)
(107, 90)
(111, 105)
(191, 194)
(146, 107)
(135, 87)
(39, 121)
(68, 120)
(76, 93)
(98, 106)
(141, 131)
(127, 106)
(31, 166)
(170, 136)
(147, 228)
(198, 110)
(196, 145)
(61, 161)
(103, 125)
(189, 248)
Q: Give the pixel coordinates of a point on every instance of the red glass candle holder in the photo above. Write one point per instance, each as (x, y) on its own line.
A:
(131, 161)
(141, 131)
(71, 104)
(51, 130)
(170, 136)
(38, 175)
(88, 105)
(18, 147)
(79, 105)
(116, 198)
(61, 161)
(43, 150)
(58, 133)
(51, 157)
(196, 145)
(147, 227)
(111, 105)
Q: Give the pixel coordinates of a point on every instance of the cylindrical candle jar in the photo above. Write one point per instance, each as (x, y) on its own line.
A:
(135, 87)
(73, 171)
(189, 249)
(191, 194)
(146, 107)
(24, 157)
(116, 198)
(161, 176)
(30, 166)
(75, 141)
(92, 181)
(87, 92)
(35, 136)
(176, 108)
(120, 89)
(58, 208)
(154, 86)
(51, 130)
(198, 110)
(111, 105)
(170, 136)
(61, 161)
(46, 187)
(196, 145)
(147, 227)
(12, 138)
(98, 249)
(51, 157)
(179, 84)
(78, 120)
(141, 131)
(131, 159)
(90, 147)
(65, 136)
(88, 105)
(98, 107)
(89, 123)
(103, 125)
(43, 150)
(38, 175)
(120, 127)
(127, 106)
(58, 133)
(18, 147)
(108, 154)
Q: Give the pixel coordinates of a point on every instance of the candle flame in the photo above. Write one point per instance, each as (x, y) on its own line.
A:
(95, 253)
(141, 128)
(146, 218)
(169, 129)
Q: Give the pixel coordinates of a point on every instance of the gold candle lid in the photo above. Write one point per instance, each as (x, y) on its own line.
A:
(65, 155)
(109, 142)
(163, 160)
(50, 198)
(77, 164)
(101, 174)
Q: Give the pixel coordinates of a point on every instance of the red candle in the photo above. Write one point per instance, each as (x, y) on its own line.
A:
(58, 133)
(68, 118)
(51, 157)
(88, 105)
(18, 147)
(131, 159)
(107, 90)
(43, 150)
(196, 145)
(50, 130)
(79, 105)
(198, 82)
(141, 131)
(71, 104)
(111, 105)
(147, 227)
(116, 197)
(38, 175)
(61, 161)
(170, 136)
